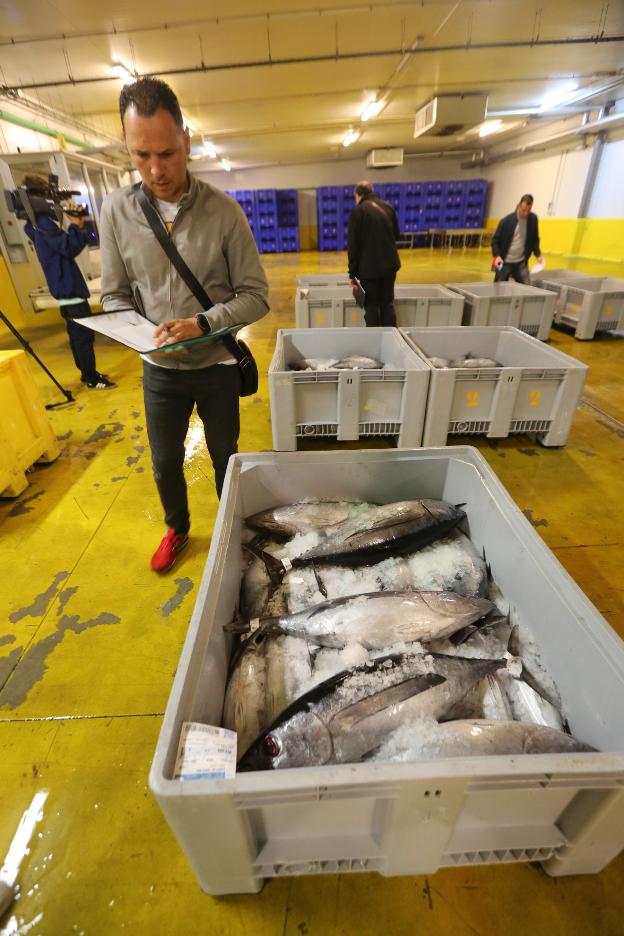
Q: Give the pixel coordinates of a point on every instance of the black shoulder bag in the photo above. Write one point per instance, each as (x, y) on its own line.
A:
(236, 346)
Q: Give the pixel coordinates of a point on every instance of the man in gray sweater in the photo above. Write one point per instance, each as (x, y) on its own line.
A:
(213, 237)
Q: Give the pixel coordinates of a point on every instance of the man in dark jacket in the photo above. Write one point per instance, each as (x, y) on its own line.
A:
(373, 256)
(56, 249)
(515, 239)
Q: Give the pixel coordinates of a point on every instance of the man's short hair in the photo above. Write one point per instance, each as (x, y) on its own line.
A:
(147, 95)
(527, 200)
(363, 188)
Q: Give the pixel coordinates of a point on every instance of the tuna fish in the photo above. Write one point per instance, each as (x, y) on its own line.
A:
(349, 715)
(262, 683)
(305, 517)
(379, 619)
(476, 737)
(380, 531)
(474, 363)
(358, 362)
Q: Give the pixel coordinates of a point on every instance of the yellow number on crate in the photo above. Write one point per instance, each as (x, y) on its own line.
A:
(472, 398)
(535, 398)
(609, 310)
(320, 318)
(355, 316)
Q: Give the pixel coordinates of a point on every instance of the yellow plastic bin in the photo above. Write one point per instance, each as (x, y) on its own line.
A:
(26, 435)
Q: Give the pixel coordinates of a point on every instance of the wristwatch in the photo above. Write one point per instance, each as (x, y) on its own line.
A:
(202, 320)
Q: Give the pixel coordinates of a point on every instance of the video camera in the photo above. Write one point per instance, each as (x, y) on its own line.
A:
(28, 201)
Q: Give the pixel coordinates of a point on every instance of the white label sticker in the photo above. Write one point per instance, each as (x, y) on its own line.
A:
(287, 563)
(205, 753)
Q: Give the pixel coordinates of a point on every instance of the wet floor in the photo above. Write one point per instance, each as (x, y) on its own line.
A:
(90, 639)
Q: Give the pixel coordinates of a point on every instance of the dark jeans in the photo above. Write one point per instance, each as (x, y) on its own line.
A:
(81, 340)
(379, 301)
(170, 396)
(516, 271)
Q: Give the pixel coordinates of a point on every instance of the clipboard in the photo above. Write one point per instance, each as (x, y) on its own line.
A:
(137, 332)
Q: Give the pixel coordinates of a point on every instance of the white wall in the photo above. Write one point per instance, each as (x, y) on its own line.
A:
(608, 195)
(555, 181)
(343, 172)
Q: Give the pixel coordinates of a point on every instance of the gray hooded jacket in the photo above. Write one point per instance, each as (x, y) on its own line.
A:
(213, 237)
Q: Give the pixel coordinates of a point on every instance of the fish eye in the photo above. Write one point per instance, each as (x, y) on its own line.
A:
(270, 746)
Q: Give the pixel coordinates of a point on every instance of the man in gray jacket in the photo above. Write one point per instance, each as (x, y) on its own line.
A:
(213, 237)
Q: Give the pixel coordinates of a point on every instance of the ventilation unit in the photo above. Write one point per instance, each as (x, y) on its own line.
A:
(384, 158)
(449, 114)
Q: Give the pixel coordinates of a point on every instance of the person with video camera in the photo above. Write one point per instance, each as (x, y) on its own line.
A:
(56, 250)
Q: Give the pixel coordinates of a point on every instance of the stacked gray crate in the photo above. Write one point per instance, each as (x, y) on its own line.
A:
(524, 307)
(536, 391)
(589, 304)
(415, 304)
(346, 404)
(564, 810)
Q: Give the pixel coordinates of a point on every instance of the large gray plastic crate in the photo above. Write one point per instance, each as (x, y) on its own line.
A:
(554, 276)
(346, 404)
(537, 390)
(564, 810)
(524, 307)
(589, 304)
(304, 280)
(334, 307)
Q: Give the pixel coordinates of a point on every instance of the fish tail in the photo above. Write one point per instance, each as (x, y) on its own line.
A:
(488, 567)
(275, 569)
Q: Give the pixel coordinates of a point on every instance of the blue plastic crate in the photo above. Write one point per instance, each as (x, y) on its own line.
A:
(288, 239)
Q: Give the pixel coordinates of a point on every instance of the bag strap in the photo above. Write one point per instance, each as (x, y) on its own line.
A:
(155, 222)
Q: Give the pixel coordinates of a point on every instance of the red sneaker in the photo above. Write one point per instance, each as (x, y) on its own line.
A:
(167, 552)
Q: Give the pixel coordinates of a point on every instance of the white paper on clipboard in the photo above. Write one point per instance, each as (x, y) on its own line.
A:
(126, 326)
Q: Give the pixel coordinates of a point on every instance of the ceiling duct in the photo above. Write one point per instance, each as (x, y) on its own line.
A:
(384, 158)
(449, 114)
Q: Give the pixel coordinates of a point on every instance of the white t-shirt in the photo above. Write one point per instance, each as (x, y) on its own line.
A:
(515, 254)
(167, 211)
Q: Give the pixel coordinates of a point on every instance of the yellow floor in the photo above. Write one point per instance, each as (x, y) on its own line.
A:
(90, 639)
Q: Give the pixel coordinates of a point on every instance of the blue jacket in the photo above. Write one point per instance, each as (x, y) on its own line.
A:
(56, 251)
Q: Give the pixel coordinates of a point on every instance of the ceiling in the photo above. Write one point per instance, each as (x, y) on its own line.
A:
(282, 82)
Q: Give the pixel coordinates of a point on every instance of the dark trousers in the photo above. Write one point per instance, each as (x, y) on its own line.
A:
(516, 271)
(170, 396)
(80, 340)
(379, 301)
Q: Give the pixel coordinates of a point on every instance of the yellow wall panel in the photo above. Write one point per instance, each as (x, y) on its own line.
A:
(589, 238)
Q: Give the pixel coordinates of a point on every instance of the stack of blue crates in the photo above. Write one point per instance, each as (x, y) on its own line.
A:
(453, 205)
(329, 217)
(287, 221)
(476, 193)
(266, 212)
(420, 206)
(413, 207)
(246, 200)
(434, 198)
(346, 205)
